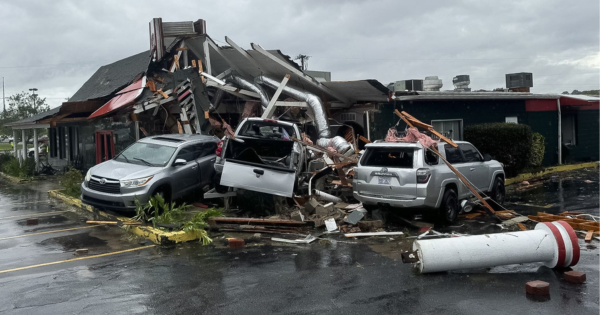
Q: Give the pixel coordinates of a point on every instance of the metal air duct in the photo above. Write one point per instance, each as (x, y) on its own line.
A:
(245, 84)
(313, 101)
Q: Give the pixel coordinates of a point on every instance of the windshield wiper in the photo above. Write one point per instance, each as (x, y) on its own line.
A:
(147, 163)
(126, 159)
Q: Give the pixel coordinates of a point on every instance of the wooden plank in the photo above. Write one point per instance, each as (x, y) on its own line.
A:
(271, 107)
(365, 140)
(200, 70)
(522, 226)
(589, 235)
(207, 56)
(163, 94)
(194, 63)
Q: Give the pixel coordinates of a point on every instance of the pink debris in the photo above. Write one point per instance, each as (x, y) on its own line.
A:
(412, 135)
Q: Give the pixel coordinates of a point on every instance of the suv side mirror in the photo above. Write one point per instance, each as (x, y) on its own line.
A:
(487, 157)
(179, 162)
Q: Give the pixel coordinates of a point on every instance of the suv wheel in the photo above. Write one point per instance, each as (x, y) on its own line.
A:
(450, 207)
(498, 192)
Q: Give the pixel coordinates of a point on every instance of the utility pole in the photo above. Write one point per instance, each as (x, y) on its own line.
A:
(303, 61)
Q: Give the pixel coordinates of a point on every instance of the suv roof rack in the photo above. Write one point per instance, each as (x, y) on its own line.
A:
(166, 139)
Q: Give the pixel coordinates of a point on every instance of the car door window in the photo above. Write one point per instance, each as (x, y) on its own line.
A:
(186, 153)
(204, 149)
(470, 153)
(453, 154)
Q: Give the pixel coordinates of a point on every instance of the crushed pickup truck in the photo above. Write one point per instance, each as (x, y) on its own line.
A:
(262, 157)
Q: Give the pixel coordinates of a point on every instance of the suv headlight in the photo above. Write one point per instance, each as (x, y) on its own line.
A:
(139, 182)
(88, 175)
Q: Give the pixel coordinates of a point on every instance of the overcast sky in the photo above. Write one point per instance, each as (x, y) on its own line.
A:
(56, 46)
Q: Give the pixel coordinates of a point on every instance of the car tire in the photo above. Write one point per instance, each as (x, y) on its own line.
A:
(164, 192)
(370, 208)
(450, 206)
(498, 191)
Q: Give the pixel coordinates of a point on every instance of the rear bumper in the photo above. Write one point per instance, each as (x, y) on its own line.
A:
(371, 200)
(113, 201)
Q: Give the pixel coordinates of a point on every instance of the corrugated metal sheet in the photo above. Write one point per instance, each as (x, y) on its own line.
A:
(123, 98)
(362, 90)
(173, 29)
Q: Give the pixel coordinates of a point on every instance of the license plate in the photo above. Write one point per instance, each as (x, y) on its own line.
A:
(383, 180)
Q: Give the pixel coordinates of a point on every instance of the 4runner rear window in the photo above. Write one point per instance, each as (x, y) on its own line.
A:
(389, 157)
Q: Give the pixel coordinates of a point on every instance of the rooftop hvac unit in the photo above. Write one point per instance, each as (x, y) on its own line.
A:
(432, 84)
(461, 82)
(519, 80)
(408, 85)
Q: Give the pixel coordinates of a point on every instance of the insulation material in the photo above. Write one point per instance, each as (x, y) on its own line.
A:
(412, 135)
(251, 109)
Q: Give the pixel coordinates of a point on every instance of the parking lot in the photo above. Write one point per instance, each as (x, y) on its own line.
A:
(120, 274)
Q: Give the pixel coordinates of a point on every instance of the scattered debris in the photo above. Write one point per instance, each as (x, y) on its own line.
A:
(537, 287)
(354, 217)
(568, 217)
(589, 235)
(331, 225)
(489, 250)
(32, 221)
(119, 223)
(81, 251)
(236, 243)
(307, 240)
(575, 277)
(372, 234)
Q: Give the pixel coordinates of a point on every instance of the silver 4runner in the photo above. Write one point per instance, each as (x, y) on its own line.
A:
(406, 175)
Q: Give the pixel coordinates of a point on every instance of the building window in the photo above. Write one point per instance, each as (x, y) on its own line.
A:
(62, 150)
(568, 128)
(451, 128)
(53, 144)
(512, 119)
(348, 116)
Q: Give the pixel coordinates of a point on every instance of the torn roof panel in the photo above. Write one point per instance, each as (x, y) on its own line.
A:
(109, 78)
(360, 90)
(33, 119)
(123, 98)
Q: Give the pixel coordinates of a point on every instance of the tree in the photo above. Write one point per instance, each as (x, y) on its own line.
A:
(565, 93)
(20, 106)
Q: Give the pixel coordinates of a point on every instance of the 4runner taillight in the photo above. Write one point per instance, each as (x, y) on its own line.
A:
(423, 175)
(219, 148)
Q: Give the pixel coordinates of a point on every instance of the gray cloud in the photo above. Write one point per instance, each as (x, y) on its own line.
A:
(56, 46)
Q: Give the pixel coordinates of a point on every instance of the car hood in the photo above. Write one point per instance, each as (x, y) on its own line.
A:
(120, 170)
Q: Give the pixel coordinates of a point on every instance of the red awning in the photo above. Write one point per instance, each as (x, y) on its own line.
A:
(124, 97)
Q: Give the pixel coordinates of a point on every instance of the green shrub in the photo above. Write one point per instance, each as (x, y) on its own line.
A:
(510, 144)
(71, 182)
(27, 168)
(11, 167)
(537, 150)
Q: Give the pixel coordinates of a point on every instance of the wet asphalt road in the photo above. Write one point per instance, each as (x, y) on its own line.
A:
(365, 277)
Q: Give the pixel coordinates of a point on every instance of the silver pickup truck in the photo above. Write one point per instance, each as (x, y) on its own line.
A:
(406, 175)
(261, 157)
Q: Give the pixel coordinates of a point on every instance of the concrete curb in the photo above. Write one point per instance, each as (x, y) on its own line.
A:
(549, 170)
(155, 235)
(12, 178)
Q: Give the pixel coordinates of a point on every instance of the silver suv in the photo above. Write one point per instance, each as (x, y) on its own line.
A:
(406, 175)
(171, 165)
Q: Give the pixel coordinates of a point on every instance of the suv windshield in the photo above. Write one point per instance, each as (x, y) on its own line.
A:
(389, 157)
(147, 154)
(267, 130)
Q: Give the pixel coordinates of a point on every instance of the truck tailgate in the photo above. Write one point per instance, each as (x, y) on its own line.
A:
(261, 178)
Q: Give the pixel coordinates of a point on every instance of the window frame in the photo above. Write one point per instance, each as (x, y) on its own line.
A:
(461, 126)
(463, 160)
(460, 145)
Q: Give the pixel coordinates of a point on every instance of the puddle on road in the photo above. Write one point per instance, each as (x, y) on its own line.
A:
(56, 219)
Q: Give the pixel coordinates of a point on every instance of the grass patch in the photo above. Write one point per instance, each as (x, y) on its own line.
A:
(9, 147)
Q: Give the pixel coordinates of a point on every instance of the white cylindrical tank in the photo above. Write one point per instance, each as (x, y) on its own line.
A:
(554, 244)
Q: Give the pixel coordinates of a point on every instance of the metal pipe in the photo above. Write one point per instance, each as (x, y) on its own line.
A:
(14, 142)
(559, 132)
(245, 84)
(325, 196)
(24, 148)
(368, 126)
(554, 244)
(313, 101)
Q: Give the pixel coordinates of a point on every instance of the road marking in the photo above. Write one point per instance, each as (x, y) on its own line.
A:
(48, 232)
(22, 203)
(34, 214)
(76, 259)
